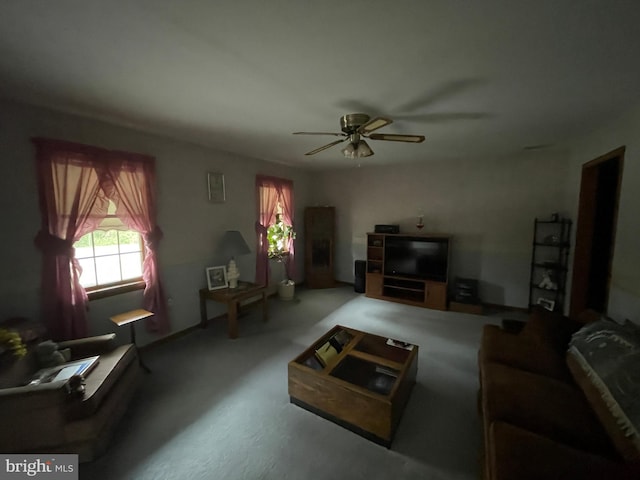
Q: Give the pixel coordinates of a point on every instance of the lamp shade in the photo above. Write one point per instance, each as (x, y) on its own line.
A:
(232, 244)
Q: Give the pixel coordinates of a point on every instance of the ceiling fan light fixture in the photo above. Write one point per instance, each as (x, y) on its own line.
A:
(363, 149)
(349, 151)
(357, 150)
(355, 127)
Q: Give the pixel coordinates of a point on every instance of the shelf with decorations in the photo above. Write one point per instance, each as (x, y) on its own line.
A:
(549, 263)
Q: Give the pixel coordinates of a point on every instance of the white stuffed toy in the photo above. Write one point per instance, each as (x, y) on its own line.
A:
(547, 282)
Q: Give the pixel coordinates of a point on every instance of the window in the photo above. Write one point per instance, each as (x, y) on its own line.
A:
(274, 225)
(110, 255)
(77, 187)
(109, 258)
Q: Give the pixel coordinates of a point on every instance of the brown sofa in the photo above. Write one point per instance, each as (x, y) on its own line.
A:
(538, 423)
(47, 418)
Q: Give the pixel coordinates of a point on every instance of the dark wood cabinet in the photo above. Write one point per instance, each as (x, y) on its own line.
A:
(319, 240)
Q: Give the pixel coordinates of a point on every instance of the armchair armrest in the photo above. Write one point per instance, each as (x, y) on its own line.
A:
(29, 397)
(89, 346)
(32, 417)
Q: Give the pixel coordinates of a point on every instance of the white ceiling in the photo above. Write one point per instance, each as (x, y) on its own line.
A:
(476, 78)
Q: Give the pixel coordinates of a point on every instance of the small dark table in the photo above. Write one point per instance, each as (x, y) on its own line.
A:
(232, 298)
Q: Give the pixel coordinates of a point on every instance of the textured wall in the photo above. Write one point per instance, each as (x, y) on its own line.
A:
(191, 224)
(624, 298)
(487, 205)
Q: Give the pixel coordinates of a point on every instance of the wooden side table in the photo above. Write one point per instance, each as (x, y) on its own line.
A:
(131, 318)
(232, 298)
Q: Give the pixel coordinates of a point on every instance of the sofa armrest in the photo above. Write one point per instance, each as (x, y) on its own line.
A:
(542, 405)
(89, 346)
(517, 454)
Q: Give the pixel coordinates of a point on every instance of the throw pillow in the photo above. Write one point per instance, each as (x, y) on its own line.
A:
(604, 358)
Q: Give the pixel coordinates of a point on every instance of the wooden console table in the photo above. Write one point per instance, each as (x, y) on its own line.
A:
(232, 298)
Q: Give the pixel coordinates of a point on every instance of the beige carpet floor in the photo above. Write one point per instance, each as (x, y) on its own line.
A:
(216, 408)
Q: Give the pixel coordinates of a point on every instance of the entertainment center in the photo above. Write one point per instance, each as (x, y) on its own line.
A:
(408, 268)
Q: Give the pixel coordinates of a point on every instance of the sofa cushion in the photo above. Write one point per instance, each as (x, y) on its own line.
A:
(521, 352)
(517, 454)
(604, 358)
(542, 405)
(550, 329)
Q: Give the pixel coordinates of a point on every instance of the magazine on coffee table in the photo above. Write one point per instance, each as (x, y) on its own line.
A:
(65, 371)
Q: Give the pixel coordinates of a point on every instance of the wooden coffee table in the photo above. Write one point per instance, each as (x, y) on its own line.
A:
(363, 386)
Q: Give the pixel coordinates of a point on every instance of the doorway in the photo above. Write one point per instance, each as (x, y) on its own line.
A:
(595, 232)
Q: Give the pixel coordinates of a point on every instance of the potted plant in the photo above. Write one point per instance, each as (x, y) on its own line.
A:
(11, 346)
(279, 234)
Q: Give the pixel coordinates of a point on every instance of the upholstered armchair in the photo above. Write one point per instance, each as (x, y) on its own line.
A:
(50, 418)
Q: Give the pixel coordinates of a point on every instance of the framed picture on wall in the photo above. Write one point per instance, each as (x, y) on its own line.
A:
(546, 303)
(215, 184)
(217, 277)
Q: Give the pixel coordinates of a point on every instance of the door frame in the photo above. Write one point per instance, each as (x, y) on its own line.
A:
(585, 228)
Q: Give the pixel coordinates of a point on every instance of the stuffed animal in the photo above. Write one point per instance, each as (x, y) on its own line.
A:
(48, 354)
(547, 281)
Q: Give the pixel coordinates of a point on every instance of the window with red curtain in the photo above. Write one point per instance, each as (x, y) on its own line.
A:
(274, 201)
(110, 257)
(76, 185)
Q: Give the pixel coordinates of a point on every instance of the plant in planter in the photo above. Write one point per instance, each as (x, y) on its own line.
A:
(10, 341)
(278, 236)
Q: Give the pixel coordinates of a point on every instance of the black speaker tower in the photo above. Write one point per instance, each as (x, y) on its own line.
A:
(360, 276)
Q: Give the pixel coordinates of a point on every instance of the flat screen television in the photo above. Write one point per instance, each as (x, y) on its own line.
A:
(415, 257)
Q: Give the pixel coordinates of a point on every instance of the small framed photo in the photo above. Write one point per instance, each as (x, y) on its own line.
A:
(215, 184)
(546, 303)
(217, 277)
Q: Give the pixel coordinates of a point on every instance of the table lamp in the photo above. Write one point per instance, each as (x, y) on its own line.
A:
(232, 245)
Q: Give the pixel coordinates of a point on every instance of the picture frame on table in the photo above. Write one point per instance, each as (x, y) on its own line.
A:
(216, 187)
(546, 303)
(217, 277)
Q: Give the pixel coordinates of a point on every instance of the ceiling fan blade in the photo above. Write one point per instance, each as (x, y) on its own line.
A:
(374, 124)
(329, 145)
(397, 138)
(320, 133)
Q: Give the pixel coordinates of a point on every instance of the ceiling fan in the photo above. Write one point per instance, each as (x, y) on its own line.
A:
(355, 127)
